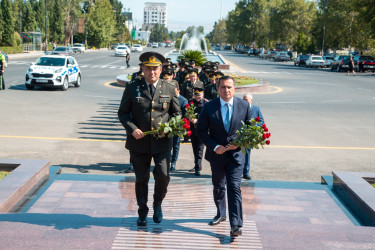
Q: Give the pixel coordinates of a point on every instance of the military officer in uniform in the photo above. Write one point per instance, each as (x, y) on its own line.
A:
(144, 105)
(187, 89)
(210, 91)
(198, 146)
(167, 75)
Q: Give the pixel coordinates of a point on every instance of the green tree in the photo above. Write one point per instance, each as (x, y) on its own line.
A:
(28, 18)
(7, 23)
(17, 15)
(72, 11)
(159, 33)
(122, 33)
(219, 33)
(101, 24)
(57, 21)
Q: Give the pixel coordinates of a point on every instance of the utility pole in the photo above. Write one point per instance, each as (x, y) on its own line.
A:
(324, 25)
(45, 28)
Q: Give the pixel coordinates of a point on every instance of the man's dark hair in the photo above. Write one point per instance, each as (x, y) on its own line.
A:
(224, 78)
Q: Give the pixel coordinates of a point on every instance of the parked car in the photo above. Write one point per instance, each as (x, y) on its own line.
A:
(340, 63)
(227, 47)
(244, 49)
(363, 63)
(168, 44)
(314, 61)
(63, 50)
(137, 47)
(56, 71)
(270, 54)
(122, 50)
(155, 45)
(300, 60)
(78, 47)
(114, 46)
(282, 56)
(149, 45)
(217, 47)
(6, 59)
(328, 60)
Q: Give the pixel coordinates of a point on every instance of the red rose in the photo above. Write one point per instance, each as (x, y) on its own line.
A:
(265, 136)
(191, 102)
(264, 126)
(265, 129)
(186, 121)
(268, 142)
(188, 133)
(268, 135)
(257, 119)
(186, 126)
(187, 106)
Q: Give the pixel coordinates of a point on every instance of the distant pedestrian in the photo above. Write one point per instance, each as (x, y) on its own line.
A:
(54, 45)
(2, 67)
(127, 59)
(351, 66)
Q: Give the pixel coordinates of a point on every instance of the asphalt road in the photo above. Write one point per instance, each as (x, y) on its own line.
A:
(320, 121)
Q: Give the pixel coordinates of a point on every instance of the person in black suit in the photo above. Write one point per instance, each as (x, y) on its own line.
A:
(146, 103)
(217, 125)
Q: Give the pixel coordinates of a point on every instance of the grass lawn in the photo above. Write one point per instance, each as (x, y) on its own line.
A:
(244, 80)
(3, 174)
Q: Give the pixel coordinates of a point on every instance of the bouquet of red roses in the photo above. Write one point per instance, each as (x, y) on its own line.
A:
(175, 126)
(252, 135)
(190, 109)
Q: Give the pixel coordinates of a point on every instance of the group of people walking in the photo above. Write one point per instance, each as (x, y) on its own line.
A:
(156, 95)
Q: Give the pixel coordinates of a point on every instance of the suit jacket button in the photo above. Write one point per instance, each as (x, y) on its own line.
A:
(152, 110)
(152, 128)
(152, 119)
(153, 102)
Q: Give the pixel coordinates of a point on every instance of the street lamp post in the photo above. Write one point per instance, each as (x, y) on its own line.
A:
(324, 25)
(45, 28)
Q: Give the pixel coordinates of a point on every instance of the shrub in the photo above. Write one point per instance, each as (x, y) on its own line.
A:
(12, 50)
(17, 39)
(193, 55)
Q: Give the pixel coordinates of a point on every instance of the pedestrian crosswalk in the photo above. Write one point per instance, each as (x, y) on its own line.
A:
(91, 66)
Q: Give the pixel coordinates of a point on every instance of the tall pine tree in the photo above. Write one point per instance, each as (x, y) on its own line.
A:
(8, 23)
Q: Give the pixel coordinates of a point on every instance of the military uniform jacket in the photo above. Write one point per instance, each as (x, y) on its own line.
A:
(187, 89)
(138, 110)
(210, 92)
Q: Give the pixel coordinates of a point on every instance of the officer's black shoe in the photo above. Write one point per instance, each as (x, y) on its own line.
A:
(158, 214)
(235, 231)
(142, 221)
(173, 166)
(197, 172)
(246, 176)
(192, 170)
(216, 220)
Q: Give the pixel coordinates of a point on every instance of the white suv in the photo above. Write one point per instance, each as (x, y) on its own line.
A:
(53, 71)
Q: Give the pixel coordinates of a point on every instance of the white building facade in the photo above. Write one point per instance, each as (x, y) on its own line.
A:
(155, 13)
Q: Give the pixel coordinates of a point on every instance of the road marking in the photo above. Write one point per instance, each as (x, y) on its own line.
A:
(277, 90)
(108, 84)
(344, 100)
(122, 141)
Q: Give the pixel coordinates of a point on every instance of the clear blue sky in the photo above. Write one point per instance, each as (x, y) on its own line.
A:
(182, 14)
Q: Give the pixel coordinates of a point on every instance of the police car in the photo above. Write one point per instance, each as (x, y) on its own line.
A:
(53, 71)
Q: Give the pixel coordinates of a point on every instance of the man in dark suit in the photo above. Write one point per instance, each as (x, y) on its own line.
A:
(255, 111)
(145, 104)
(217, 125)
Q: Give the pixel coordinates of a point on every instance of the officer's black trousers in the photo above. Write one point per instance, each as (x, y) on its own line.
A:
(141, 164)
(198, 147)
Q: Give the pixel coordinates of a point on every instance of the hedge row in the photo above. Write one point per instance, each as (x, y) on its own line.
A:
(12, 50)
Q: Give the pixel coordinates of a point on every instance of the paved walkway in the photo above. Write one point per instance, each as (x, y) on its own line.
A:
(80, 211)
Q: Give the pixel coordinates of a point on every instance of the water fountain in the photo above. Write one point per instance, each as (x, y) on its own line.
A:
(193, 42)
